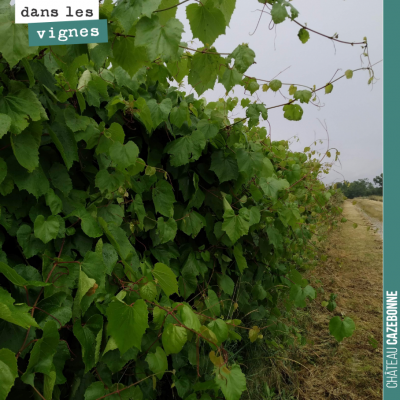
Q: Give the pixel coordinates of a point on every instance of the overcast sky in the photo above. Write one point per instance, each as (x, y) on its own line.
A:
(352, 112)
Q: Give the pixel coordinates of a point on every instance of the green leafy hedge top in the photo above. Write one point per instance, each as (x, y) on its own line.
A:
(142, 232)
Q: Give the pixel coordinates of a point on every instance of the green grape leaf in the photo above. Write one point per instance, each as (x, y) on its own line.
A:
(14, 40)
(123, 79)
(204, 69)
(292, 90)
(74, 121)
(227, 284)
(112, 214)
(93, 266)
(124, 155)
(5, 124)
(293, 112)
(180, 114)
(19, 106)
(303, 95)
(127, 323)
(278, 12)
(160, 40)
(144, 114)
(96, 91)
(271, 186)
(17, 279)
(220, 330)
(54, 202)
(16, 314)
(89, 224)
(98, 54)
(240, 260)
(208, 129)
(41, 359)
(113, 134)
(60, 179)
(250, 84)
(255, 215)
(192, 223)
(254, 111)
(46, 229)
(227, 7)
(128, 56)
(303, 35)
(341, 328)
(84, 285)
(89, 336)
(173, 338)
(48, 383)
(167, 10)
(244, 57)
(109, 182)
(139, 209)
(294, 13)
(212, 303)
(158, 362)
(206, 22)
(165, 278)
(58, 305)
(59, 359)
(189, 318)
(298, 295)
(328, 88)
(231, 78)
(26, 147)
(231, 382)
(65, 142)
(95, 391)
(245, 102)
(127, 12)
(186, 149)
(275, 85)
(224, 165)
(349, 74)
(275, 237)
(29, 243)
(234, 225)
(179, 69)
(159, 111)
(35, 182)
(8, 370)
(166, 230)
(164, 199)
(118, 239)
(148, 291)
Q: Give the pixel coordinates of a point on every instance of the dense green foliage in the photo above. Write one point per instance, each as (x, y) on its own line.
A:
(362, 187)
(142, 231)
(378, 180)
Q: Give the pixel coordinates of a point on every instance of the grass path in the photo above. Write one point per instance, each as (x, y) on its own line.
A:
(350, 370)
(373, 210)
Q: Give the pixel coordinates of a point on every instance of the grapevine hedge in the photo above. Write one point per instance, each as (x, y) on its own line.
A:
(142, 231)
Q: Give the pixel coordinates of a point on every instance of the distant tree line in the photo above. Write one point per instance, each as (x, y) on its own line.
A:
(362, 187)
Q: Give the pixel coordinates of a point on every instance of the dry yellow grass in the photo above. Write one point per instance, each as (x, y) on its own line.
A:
(351, 370)
(372, 208)
(376, 198)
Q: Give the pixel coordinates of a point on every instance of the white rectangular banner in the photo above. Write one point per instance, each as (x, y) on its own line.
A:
(31, 11)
